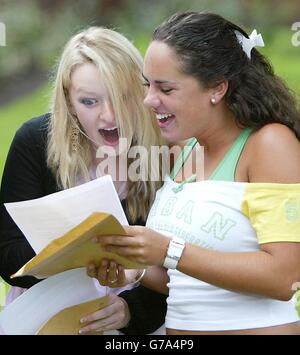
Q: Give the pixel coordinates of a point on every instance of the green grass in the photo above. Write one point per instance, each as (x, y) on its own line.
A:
(297, 296)
(13, 115)
(3, 290)
(284, 57)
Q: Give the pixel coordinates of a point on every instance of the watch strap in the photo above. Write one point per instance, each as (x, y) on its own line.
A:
(174, 252)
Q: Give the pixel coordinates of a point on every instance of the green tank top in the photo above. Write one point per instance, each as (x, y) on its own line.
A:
(225, 170)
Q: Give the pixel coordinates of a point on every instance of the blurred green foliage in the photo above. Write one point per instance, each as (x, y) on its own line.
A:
(284, 57)
(35, 36)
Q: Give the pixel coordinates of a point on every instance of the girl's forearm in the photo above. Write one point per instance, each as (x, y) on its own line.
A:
(156, 278)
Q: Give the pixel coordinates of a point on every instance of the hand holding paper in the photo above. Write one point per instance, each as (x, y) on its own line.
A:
(64, 225)
(77, 249)
(61, 228)
(66, 322)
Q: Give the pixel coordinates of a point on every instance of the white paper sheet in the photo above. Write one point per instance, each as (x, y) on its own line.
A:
(26, 314)
(45, 219)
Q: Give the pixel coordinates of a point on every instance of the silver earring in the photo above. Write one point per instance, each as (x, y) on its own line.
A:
(213, 100)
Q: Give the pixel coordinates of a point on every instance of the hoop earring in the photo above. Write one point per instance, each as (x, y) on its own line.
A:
(213, 100)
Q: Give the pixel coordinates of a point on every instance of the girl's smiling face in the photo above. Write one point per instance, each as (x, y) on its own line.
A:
(181, 105)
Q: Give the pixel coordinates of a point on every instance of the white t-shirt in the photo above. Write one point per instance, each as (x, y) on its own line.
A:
(220, 216)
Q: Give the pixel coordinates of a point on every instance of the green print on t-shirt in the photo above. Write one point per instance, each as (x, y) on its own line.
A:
(218, 225)
(169, 206)
(292, 210)
(186, 212)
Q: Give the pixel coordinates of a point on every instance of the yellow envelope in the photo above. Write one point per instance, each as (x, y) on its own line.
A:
(76, 249)
(67, 321)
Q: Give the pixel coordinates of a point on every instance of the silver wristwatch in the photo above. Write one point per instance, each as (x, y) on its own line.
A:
(174, 252)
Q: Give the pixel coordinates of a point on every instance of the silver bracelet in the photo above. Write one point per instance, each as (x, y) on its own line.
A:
(140, 277)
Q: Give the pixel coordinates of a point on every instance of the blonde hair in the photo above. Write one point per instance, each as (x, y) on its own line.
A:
(120, 66)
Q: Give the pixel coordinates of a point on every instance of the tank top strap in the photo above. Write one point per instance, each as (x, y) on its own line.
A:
(225, 170)
(183, 156)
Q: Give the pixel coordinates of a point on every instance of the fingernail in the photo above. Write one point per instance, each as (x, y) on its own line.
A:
(82, 320)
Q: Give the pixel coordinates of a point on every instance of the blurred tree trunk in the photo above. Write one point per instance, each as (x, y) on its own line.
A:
(51, 6)
(106, 6)
(105, 9)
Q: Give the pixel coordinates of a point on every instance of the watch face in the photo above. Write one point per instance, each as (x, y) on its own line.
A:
(175, 249)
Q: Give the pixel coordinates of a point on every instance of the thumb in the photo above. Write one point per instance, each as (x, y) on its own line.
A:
(130, 230)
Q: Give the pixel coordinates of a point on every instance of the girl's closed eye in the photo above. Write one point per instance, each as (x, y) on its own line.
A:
(88, 101)
(166, 91)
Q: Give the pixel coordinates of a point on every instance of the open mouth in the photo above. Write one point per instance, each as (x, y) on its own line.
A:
(110, 135)
(163, 119)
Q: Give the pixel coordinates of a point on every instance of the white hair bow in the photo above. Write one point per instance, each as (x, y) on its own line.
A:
(248, 43)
